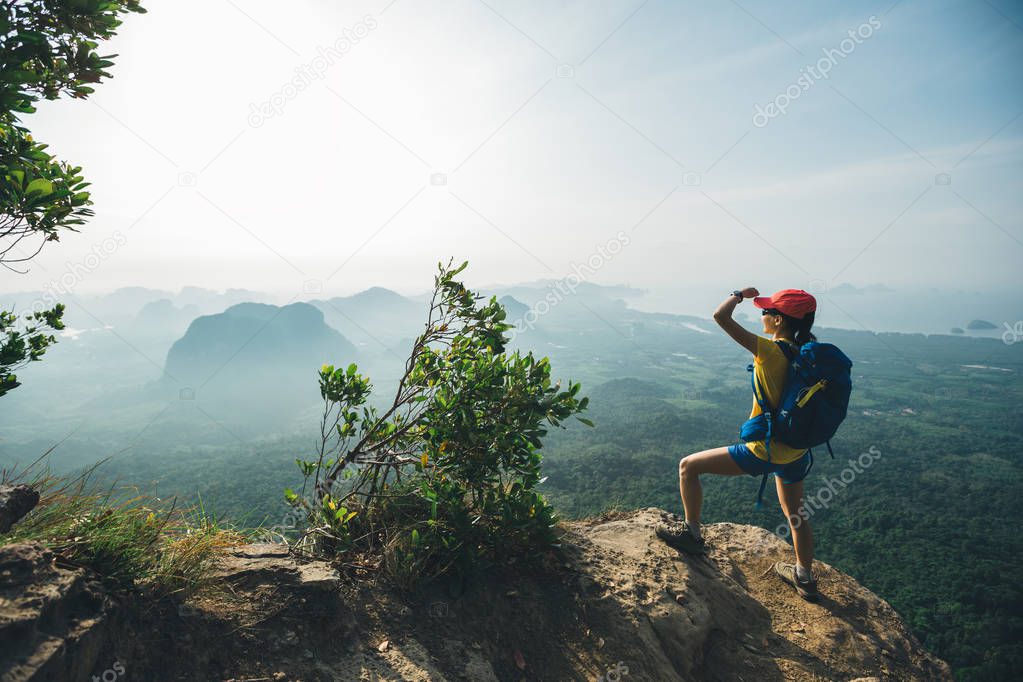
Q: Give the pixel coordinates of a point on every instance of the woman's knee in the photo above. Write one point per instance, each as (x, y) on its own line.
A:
(686, 467)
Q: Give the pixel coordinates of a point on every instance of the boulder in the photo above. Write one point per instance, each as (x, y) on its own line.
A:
(15, 502)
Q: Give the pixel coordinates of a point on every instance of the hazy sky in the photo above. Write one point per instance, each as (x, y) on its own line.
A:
(528, 136)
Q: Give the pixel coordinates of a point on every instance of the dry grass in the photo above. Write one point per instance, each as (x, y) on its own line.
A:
(130, 538)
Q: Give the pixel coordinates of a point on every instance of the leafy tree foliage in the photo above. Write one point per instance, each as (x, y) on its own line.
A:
(47, 49)
(444, 479)
(20, 346)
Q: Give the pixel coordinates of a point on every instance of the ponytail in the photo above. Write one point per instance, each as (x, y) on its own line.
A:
(801, 329)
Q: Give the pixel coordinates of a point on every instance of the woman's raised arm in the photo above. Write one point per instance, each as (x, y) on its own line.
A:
(723, 316)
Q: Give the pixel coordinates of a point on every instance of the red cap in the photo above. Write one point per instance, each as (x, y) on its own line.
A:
(793, 302)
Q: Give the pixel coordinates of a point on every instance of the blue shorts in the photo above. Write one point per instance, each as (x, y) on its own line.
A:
(793, 472)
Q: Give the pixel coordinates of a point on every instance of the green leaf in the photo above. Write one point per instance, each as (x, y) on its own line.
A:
(40, 186)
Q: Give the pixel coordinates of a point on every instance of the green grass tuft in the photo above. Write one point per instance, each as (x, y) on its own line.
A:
(132, 539)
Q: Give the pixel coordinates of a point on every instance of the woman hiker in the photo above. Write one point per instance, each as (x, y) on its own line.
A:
(787, 316)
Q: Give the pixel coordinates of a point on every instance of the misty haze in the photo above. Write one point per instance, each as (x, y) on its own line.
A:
(436, 298)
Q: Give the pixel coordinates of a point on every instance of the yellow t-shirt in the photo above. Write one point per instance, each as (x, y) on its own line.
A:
(771, 367)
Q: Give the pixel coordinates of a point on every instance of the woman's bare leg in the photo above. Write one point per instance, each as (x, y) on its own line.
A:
(714, 461)
(790, 495)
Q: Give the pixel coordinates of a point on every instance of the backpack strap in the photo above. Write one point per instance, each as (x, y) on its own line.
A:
(757, 394)
(790, 355)
(788, 350)
(765, 410)
(763, 480)
(760, 493)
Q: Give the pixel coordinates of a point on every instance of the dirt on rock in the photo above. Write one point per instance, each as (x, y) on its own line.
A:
(614, 604)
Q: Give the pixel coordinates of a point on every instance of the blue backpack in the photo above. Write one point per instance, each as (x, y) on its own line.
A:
(813, 404)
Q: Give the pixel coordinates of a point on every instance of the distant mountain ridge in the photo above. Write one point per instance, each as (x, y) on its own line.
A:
(376, 319)
(515, 308)
(258, 340)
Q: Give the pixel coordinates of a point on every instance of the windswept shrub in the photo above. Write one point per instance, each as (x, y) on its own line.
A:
(444, 479)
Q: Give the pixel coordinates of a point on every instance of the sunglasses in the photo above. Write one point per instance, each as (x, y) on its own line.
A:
(769, 311)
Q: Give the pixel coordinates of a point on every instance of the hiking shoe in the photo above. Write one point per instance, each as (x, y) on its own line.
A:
(807, 589)
(679, 536)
